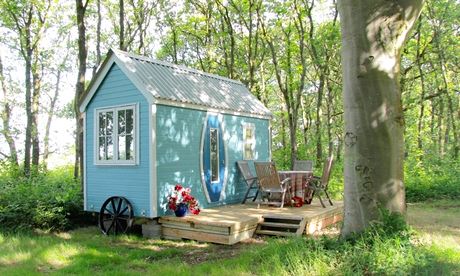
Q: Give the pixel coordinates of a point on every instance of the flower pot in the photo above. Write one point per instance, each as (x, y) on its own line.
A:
(181, 210)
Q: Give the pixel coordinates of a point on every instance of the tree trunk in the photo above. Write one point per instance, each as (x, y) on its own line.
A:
(122, 24)
(6, 115)
(80, 85)
(422, 94)
(98, 37)
(319, 100)
(28, 138)
(51, 111)
(329, 104)
(373, 34)
(440, 128)
(36, 79)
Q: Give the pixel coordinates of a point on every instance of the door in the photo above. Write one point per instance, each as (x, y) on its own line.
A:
(213, 159)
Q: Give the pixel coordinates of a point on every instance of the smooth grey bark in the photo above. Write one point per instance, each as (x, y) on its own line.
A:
(6, 118)
(37, 74)
(51, 113)
(373, 35)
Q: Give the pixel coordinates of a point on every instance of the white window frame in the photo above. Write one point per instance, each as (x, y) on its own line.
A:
(252, 141)
(115, 109)
(210, 154)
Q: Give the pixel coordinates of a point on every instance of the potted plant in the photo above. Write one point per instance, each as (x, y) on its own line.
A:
(181, 201)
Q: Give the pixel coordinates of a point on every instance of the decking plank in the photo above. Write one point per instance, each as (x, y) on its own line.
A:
(231, 223)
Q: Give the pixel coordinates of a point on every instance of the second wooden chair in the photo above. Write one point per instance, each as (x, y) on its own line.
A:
(270, 183)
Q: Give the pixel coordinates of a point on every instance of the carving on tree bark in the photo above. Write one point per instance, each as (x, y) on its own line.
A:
(350, 139)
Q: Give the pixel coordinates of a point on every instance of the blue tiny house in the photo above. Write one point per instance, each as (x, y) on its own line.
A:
(149, 125)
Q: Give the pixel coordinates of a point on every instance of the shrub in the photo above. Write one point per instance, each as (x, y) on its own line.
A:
(49, 201)
(432, 179)
(385, 248)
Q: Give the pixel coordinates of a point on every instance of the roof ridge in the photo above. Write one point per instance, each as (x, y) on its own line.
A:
(176, 66)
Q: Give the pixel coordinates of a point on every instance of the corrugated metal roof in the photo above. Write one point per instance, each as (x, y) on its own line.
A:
(166, 81)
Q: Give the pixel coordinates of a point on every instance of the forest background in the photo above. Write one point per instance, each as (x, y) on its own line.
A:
(286, 52)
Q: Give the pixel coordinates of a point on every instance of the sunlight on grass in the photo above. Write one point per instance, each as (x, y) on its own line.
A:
(438, 223)
(434, 250)
(60, 255)
(63, 235)
(15, 258)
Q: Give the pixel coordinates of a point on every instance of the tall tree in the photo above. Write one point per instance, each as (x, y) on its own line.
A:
(80, 85)
(6, 117)
(373, 35)
(27, 19)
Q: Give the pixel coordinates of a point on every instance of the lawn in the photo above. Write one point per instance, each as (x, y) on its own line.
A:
(434, 249)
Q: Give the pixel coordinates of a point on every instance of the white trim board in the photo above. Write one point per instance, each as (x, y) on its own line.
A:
(102, 73)
(85, 199)
(210, 109)
(152, 162)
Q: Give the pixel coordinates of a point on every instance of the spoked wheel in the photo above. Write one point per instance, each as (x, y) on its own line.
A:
(116, 216)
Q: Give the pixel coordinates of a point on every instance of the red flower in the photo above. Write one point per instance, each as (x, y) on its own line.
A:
(172, 206)
(195, 211)
(182, 195)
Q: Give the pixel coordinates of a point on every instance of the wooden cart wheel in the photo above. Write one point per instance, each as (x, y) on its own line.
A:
(116, 216)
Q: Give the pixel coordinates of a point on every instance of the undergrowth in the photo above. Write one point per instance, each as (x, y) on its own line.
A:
(50, 200)
(432, 179)
(388, 247)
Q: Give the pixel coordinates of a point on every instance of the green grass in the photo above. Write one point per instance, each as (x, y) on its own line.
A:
(433, 250)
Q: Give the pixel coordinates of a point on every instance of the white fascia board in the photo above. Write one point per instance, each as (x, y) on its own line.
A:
(94, 86)
(103, 73)
(210, 109)
(133, 78)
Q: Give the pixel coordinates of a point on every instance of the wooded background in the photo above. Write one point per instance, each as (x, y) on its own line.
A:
(286, 52)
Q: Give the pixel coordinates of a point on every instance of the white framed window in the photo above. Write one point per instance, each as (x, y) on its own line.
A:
(249, 141)
(214, 152)
(116, 135)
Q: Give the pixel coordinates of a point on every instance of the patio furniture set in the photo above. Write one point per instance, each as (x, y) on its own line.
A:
(273, 187)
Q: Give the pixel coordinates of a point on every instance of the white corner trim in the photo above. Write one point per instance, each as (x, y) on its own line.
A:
(153, 162)
(269, 140)
(85, 199)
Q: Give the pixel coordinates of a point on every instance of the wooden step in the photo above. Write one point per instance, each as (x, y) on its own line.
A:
(276, 233)
(284, 218)
(279, 225)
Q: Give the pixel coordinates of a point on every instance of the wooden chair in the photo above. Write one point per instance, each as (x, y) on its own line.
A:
(269, 182)
(319, 183)
(250, 179)
(305, 165)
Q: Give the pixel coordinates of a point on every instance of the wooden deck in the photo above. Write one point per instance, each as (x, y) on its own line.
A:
(233, 223)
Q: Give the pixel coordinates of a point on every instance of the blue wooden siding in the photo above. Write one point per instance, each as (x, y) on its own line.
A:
(179, 133)
(130, 181)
